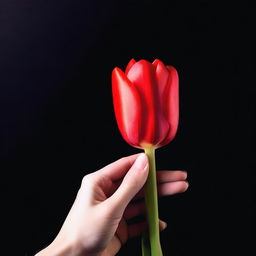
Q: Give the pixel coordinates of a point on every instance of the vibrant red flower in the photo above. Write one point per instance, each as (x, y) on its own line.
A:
(146, 103)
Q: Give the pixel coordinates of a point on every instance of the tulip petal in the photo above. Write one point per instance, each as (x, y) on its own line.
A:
(129, 65)
(171, 103)
(154, 126)
(155, 63)
(127, 106)
(162, 75)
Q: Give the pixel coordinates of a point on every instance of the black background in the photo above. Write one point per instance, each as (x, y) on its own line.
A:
(58, 123)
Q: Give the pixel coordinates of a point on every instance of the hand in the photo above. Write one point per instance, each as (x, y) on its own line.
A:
(96, 223)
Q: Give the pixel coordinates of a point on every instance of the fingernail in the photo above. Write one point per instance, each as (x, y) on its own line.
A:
(141, 162)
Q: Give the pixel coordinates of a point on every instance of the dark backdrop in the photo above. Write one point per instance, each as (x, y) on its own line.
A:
(58, 122)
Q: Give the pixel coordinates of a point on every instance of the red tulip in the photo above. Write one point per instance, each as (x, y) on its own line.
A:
(146, 103)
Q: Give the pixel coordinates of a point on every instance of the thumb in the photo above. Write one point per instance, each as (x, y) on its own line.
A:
(133, 181)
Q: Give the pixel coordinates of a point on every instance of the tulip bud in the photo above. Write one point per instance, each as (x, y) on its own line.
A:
(146, 103)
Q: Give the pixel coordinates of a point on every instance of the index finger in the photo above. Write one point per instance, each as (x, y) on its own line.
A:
(119, 168)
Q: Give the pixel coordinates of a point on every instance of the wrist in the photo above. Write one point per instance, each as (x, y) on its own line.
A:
(58, 248)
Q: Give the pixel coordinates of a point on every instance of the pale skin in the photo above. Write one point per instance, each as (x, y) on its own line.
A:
(97, 222)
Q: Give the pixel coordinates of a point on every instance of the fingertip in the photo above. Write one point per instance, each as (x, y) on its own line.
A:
(185, 173)
(184, 185)
(187, 185)
(141, 162)
(162, 225)
(141, 167)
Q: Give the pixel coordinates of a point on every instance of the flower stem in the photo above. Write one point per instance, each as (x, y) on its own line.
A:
(152, 210)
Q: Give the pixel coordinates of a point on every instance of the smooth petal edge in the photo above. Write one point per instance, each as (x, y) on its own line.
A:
(171, 103)
(126, 106)
(162, 75)
(129, 65)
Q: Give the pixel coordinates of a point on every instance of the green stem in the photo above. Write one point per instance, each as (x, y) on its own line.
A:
(152, 209)
(145, 245)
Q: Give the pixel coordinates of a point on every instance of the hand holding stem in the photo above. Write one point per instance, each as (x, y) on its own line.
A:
(97, 221)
